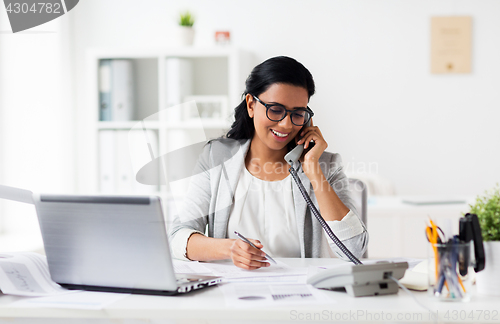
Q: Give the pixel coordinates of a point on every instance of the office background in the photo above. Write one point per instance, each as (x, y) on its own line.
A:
(376, 103)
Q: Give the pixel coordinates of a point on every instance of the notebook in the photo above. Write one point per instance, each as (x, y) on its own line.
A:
(111, 243)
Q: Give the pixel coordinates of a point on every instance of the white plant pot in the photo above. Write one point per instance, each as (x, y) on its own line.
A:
(183, 36)
(488, 280)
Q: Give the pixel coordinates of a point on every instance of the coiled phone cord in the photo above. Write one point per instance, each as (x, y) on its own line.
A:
(321, 220)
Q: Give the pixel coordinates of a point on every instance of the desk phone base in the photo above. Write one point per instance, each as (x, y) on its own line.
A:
(362, 280)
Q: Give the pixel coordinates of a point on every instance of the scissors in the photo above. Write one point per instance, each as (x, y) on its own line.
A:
(433, 232)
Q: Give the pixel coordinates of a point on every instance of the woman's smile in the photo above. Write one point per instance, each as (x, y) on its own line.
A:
(280, 136)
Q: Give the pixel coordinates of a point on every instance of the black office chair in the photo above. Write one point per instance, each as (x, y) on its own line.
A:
(359, 195)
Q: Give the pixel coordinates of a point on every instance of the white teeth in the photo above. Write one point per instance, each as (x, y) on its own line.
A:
(279, 134)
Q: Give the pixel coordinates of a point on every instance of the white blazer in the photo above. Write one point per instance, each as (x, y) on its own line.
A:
(211, 191)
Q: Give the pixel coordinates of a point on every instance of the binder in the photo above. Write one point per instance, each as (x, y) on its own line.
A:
(140, 156)
(122, 90)
(107, 161)
(105, 90)
(178, 83)
(121, 155)
(124, 175)
(116, 90)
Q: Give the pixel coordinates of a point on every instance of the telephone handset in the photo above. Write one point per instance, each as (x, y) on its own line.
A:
(295, 154)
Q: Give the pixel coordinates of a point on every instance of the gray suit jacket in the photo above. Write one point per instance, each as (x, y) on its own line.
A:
(211, 192)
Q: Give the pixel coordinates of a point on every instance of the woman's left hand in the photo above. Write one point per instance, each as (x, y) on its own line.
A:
(310, 161)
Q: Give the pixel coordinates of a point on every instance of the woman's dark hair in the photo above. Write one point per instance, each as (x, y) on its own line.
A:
(280, 69)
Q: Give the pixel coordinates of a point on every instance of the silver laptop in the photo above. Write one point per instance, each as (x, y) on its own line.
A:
(111, 243)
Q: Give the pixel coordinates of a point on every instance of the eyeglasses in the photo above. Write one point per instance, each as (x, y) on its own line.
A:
(276, 113)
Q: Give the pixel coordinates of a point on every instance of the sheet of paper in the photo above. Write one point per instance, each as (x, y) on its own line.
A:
(189, 267)
(264, 295)
(313, 270)
(412, 262)
(295, 279)
(76, 300)
(27, 274)
(227, 269)
(16, 194)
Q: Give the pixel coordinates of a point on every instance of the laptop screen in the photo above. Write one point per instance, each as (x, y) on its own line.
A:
(110, 241)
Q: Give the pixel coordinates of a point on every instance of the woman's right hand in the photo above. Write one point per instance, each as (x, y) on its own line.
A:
(247, 257)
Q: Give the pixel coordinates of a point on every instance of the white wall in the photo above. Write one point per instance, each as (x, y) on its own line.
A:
(376, 100)
(36, 118)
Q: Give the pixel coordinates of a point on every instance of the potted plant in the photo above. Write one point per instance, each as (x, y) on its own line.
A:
(487, 209)
(185, 31)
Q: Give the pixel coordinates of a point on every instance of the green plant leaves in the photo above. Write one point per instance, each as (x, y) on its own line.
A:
(487, 209)
(186, 19)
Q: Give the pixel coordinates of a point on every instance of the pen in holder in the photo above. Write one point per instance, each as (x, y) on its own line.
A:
(449, 270)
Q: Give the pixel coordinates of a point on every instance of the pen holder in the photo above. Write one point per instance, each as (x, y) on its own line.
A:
(450, 269)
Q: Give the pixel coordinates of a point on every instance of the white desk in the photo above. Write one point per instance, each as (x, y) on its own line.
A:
(398, 229)
(208, 306)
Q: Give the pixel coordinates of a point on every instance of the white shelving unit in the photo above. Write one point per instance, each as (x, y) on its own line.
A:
(217, 72)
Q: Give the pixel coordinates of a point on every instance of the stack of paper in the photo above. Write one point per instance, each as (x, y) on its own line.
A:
(27, 274)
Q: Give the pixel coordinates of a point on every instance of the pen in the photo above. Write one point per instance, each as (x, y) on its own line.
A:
(439, 288)
(252, 245)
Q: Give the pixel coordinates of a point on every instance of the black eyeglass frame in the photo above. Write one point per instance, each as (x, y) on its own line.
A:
(291, 111)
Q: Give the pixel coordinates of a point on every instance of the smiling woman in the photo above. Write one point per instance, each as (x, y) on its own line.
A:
(242, 181)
